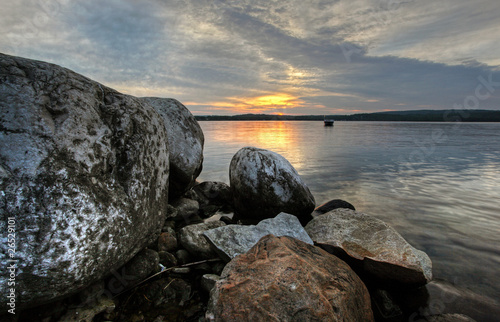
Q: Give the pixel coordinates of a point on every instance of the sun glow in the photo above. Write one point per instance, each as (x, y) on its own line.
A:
(272, 103)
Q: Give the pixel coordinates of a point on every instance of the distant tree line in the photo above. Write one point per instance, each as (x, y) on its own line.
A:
(398, 116)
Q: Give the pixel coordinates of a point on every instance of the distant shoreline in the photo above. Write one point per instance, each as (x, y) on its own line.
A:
(396, 116)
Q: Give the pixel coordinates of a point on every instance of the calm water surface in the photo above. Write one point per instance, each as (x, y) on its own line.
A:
(438, 184)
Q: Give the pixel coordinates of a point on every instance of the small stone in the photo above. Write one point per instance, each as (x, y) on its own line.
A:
(208, 281)
(183, 256)
(167, 242)
(167, 259)
(191, 238)
(169, 226)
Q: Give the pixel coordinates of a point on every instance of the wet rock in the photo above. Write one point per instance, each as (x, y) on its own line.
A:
(167, 242)
(84, 172)
(284, 279)
(144, 264)
(191, 238)
(208, 281)
(263, 184)
(167, 259)
(331, 205)
(370, 245)
(185, 142)
(232, 240)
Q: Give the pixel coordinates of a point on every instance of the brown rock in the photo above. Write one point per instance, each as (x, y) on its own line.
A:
(372, 245)
(167, 242)
(284, 279)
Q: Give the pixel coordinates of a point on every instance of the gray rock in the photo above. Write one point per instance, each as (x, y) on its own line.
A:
(84, 172)
(191, 238)
(208, 281)
(232, 240)
(331, 205)
(263, 184)
(370, 243)
(185, 142)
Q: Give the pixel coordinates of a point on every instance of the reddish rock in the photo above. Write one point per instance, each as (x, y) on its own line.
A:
(167, 242)
(284, 279)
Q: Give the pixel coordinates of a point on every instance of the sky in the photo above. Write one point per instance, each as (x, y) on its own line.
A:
(223, 57)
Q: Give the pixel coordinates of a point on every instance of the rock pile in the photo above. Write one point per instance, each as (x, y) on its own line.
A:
(87, 173)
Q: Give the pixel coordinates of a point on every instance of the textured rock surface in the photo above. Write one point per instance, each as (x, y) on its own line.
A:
(167, 242)
(383, 252)
(232, 240)
(191, 238)
(263, 184)
(331, 205)
(84, 171)
(185, 142)
(284, 279)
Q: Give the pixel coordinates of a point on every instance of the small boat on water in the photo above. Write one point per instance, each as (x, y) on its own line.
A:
(329, 122)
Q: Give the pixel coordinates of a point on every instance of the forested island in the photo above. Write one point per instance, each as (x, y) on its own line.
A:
(402, 116)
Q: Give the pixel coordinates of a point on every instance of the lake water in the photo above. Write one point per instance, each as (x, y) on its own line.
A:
(437, 184)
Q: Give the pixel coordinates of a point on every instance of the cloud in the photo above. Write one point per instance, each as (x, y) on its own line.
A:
(222, 56)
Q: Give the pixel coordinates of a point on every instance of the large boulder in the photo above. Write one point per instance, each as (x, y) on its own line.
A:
(372, 245)
(284, 279)
(232, 240)
(185, 142)
(83, 175)
(263, 184)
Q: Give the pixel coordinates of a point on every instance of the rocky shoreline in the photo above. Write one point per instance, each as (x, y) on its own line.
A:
(111, 224)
